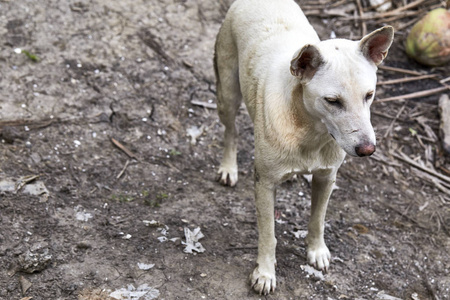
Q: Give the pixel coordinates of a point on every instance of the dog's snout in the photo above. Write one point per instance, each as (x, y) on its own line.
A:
(365, 149)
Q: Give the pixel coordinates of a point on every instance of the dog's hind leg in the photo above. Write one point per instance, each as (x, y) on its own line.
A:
(229, 99)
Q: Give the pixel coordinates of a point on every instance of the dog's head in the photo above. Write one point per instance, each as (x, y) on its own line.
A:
(339, 78)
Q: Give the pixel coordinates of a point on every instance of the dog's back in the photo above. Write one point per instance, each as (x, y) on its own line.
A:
(269, 19)
(244, 38)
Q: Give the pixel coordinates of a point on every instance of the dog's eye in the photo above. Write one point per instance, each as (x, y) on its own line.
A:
(335, 101)
(369, 96)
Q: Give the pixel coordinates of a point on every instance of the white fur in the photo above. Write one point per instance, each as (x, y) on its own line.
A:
(294, 125)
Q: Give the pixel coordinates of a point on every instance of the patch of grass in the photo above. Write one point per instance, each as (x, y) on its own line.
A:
(161, 196)
(157, 200)
(31, 56)
(174, 152)
(122, 198)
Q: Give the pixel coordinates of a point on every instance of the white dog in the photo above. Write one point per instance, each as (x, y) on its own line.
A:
(309, 101)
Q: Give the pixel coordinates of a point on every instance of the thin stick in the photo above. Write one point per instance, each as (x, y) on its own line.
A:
(395, 12)
(32, 124)
(384, 160)
(409, 23)
(124, 149)
(380, 18)
(404, 215)
(444, 170)
(393, 121)
(204, 104)
(408, 160)
(415, 95)
(399, 70)
(440, 185)
(419, 14)
(123, 170)
(445, 80)
(321, 13)
(406, 79)
(386, 116)
(402, 8)
(399, 16)
(338, 3)
(361, 14)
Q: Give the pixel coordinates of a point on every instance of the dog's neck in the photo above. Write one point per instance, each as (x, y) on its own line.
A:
(312, 127)
(289, 122)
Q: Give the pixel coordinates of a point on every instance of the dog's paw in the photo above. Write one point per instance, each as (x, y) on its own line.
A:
(227, 175)
(319, 257)
(263, 282)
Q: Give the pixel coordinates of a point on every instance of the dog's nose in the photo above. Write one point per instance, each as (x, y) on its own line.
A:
(365, 149)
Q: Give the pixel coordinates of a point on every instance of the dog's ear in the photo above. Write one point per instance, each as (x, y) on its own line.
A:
(306, 62)
(375, 45)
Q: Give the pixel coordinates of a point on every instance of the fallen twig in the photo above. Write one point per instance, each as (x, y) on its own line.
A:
(337, 3)
(415, 94)
(406, 216)
(150, 40)
(391, 19)
(402, 8)
(410, 22)
(381, 18)
(313, 6)
(124, 149)
(383, 159)
(328, 13)
(439, 184)
(399, 70)
(396, 12)
(123, 170)
(444, 170)
(204, 104)
(393, 121)
(377, 113)
(428, 130)
(361, 14)
(32, 124)
(406, 79)
(403, 157)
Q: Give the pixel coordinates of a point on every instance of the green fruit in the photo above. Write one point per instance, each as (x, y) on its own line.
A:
(429, 39)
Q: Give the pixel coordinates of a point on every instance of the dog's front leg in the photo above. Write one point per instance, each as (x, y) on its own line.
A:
(318, 254)
(263, 277)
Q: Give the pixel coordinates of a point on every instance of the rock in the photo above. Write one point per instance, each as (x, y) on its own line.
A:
(30, 262)
(444, 109)
(10, 134)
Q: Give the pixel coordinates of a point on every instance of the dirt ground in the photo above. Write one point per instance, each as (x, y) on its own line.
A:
(99, 177)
